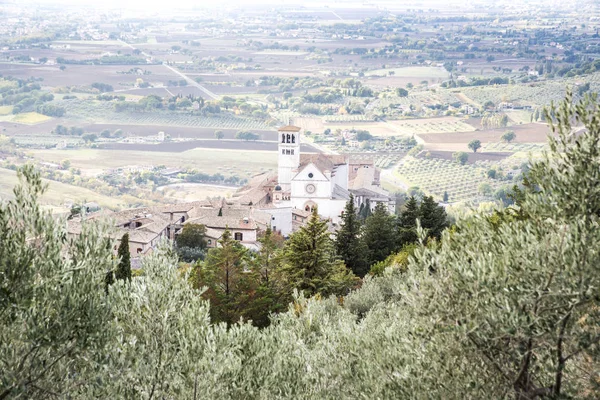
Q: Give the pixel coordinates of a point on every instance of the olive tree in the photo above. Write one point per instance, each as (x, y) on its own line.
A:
(54, 317)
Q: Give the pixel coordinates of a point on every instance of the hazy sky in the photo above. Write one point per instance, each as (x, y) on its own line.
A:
(162, 4)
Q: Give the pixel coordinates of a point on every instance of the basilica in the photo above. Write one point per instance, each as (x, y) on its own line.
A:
(306, 181)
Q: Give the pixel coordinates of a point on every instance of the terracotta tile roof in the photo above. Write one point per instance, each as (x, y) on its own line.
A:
(289, 128)
(231, 217)
(324, 162)
(340, 193)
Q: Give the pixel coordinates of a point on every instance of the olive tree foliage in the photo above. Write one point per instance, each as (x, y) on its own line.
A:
(160, 327)
(53, 311)
(508, 307)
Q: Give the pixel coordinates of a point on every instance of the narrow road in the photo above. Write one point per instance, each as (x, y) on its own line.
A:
(387, 175)
(204, 90)
(334, 13)
(193, 83)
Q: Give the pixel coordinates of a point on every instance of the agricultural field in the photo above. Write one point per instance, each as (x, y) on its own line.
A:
(228, 162)
(98, 112)
(347, 118)
(436, 176)
(533, 94)
(5, 110)
(430, 126)
(30, 118)
(526, 133)
(514, 147)
(423, 73)
(59, 194)
(182, 192)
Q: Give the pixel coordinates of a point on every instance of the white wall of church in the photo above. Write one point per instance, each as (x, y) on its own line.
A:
(281, 219)
(328, 208)
(341, 176)
(302, 179)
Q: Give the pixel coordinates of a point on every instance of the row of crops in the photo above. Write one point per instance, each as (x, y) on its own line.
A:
(387, 161)
(410, 127)
(513, 147)
(47, 141)
(104, 112)
(347, 118)
(419, 99)
(536, 94)
(436, 176)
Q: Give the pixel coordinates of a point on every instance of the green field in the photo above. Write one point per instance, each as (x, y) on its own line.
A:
(6, 110)
(30, 118)
(59, 193)
(228, 162)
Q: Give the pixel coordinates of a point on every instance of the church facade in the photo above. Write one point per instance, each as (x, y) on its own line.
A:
(306, 181)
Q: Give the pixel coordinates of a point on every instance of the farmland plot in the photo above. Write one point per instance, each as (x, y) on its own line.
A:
(431, 125)
(104, 112)
(534, 94)
(228, 162)
(435, 176)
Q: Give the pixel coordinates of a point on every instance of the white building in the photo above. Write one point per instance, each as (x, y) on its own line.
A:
(306, 181)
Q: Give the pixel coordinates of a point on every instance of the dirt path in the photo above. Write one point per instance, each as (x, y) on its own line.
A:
(462, 97)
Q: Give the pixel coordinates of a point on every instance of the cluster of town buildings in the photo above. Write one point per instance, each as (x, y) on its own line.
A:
(281, 201)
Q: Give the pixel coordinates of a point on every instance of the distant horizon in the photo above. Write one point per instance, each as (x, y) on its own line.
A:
(152, 6)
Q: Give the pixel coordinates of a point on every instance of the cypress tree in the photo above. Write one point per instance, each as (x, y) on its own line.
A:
(379, 236)
(365, 210)
(347, 241)
(433, 217)
(407, 222)
(109, 279)
(124, 268)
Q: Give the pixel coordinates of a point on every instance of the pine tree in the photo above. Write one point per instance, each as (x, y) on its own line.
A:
(124, 269)
(433, 217)
(269, 296)
(407, 222)
(379, 235)
(266, 259)
(230, 285)
(348, 245)
(310, 264)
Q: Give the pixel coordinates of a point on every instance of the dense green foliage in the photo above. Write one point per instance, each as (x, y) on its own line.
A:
(310, 264)
(192, 235)
(348, 244)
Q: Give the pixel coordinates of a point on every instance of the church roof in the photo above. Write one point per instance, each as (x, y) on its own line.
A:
(324, 162)
(289, 128)
(340, 193)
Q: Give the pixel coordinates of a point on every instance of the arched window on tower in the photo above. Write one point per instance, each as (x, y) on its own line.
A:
(293, 138)
(288, 138)
(283, 138)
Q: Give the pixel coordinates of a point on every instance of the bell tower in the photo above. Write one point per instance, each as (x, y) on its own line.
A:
(289, 155)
